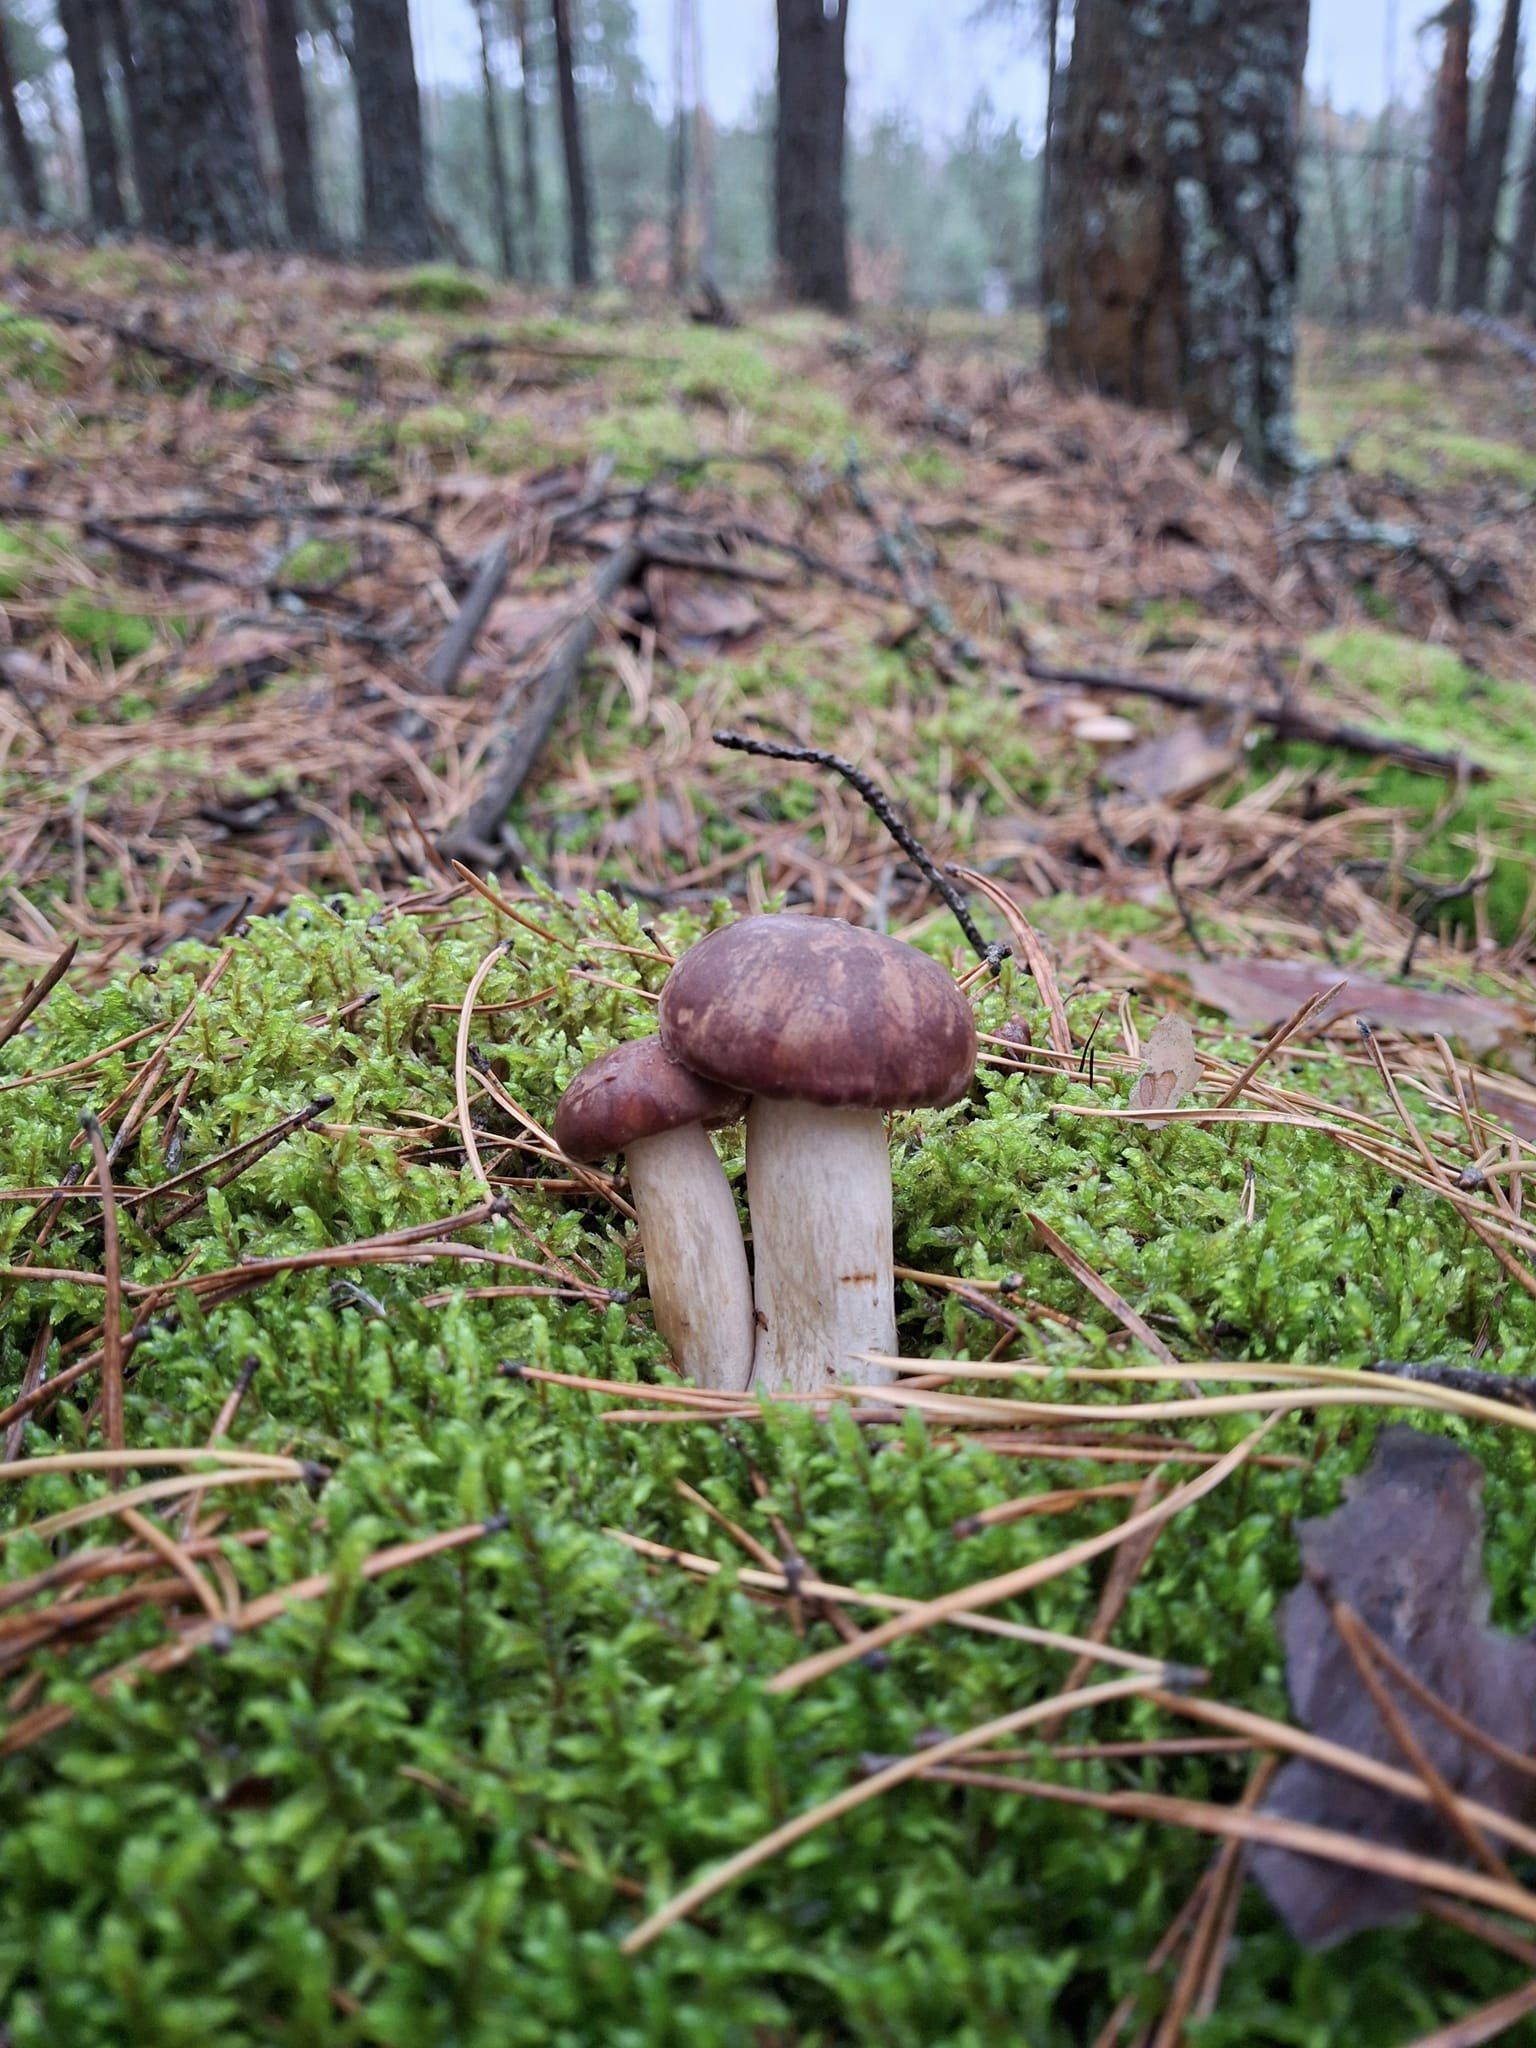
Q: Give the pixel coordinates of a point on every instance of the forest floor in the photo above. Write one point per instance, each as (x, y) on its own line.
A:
(1199, 751)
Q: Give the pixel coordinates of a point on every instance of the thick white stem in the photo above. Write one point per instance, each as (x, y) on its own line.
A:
(819, 1188)
(695, 1261)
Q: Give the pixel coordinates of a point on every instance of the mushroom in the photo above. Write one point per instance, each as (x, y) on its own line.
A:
(638, 1101)
(826, 1027)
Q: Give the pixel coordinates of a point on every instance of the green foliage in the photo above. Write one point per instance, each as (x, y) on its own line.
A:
(397, 1814)
(441, 288)
(317, 562)
(103, 629)
(30, 353)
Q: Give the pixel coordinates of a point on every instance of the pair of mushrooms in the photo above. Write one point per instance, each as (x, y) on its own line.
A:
(814, 1028)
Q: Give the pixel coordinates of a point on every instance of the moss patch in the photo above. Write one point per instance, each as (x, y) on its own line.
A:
(322, 562)
(440, 288)
(102, 629)
(30, 353)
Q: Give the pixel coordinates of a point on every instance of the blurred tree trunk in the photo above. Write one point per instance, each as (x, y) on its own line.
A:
(1048, 149)
(810, 218)
(533, 248)
(396, 218)
(501, 201)
(290, 121)
(82, 26)
(19, 160)
(146, 142)
(677, 169)
(578, 196)
(198, 103)
(1485, 172)
(1173, 247)
(1522, 250)
(1440, 197)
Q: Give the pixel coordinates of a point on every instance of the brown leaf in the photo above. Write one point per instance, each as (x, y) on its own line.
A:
(696, 614)
(1259, 993)
(1405, 1552)
(1170, 1067)
(1178, 763)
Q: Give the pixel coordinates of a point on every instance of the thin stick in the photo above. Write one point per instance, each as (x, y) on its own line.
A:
(1033, 954)
(693, 1896)
(112, 1313)
(777, 1581)
(1101, 1290)
(991, 954)
(36, 997)
(988, 1592)
(1488, 2023)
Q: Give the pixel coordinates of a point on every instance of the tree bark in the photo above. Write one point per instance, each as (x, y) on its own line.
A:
(533, 247)
(578, 195)
(501, 202)
(198, 105)
(396, 218)
(810, 216)
(1485, 173)
(1048, 149)
(19, 159)
(146, 143)
(1522, 251)
(81, 23)
(1440, 196)
(290, 121)
(677, 170)
(1173, 251)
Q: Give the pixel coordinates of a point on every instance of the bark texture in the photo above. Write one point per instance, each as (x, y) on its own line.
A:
(1522, 252)
(198, 104)
(1173, 256)
(147, 150)
(82, 26)
(290, 121)
(396, 218)
(1485, 172)
(501, 201)
(533, 246)
(19, 160)
(578, 192)
(1440, 197)
(809, 212)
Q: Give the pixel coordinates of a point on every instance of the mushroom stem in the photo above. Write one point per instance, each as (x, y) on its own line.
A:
(695, 1261)
(819, 1188)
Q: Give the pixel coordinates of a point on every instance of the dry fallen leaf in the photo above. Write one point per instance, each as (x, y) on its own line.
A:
(1260, 993)
(1405, 1553)
(1170, 1067)
(1180, 762)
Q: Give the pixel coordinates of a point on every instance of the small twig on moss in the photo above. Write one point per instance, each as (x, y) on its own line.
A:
(990, 952)
(112, 1314)
(1462, 1379)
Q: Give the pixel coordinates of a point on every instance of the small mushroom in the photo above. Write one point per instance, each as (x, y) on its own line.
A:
(638, 1101)
(826, 1027)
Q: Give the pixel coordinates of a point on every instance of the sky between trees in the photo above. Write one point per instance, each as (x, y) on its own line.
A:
(921, 57)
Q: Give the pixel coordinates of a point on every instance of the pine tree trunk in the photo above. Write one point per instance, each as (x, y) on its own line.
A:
(532, 242)
(146, 143)
(1522, 252)
(1173, 249)
(810, 220)
(1485, 173)
(1440, 196)
(198, 103)
(501, 202)
(19, 160)
(578, 196)
(396, 220)
(1048, 147)
(81, 23)
(290, 120)
(677, 169)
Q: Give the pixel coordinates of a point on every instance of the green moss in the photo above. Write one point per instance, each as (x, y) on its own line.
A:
(441, 288)
(102, 629)
(441, 429)
(321, 562)
(404, 1812)
(30, 353)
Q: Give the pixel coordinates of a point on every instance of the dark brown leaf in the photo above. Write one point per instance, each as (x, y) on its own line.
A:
(1405, 1552)
(1180, 762)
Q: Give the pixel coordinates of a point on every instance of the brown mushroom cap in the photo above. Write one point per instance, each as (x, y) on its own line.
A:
(637, 1091)
(814, 1010)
